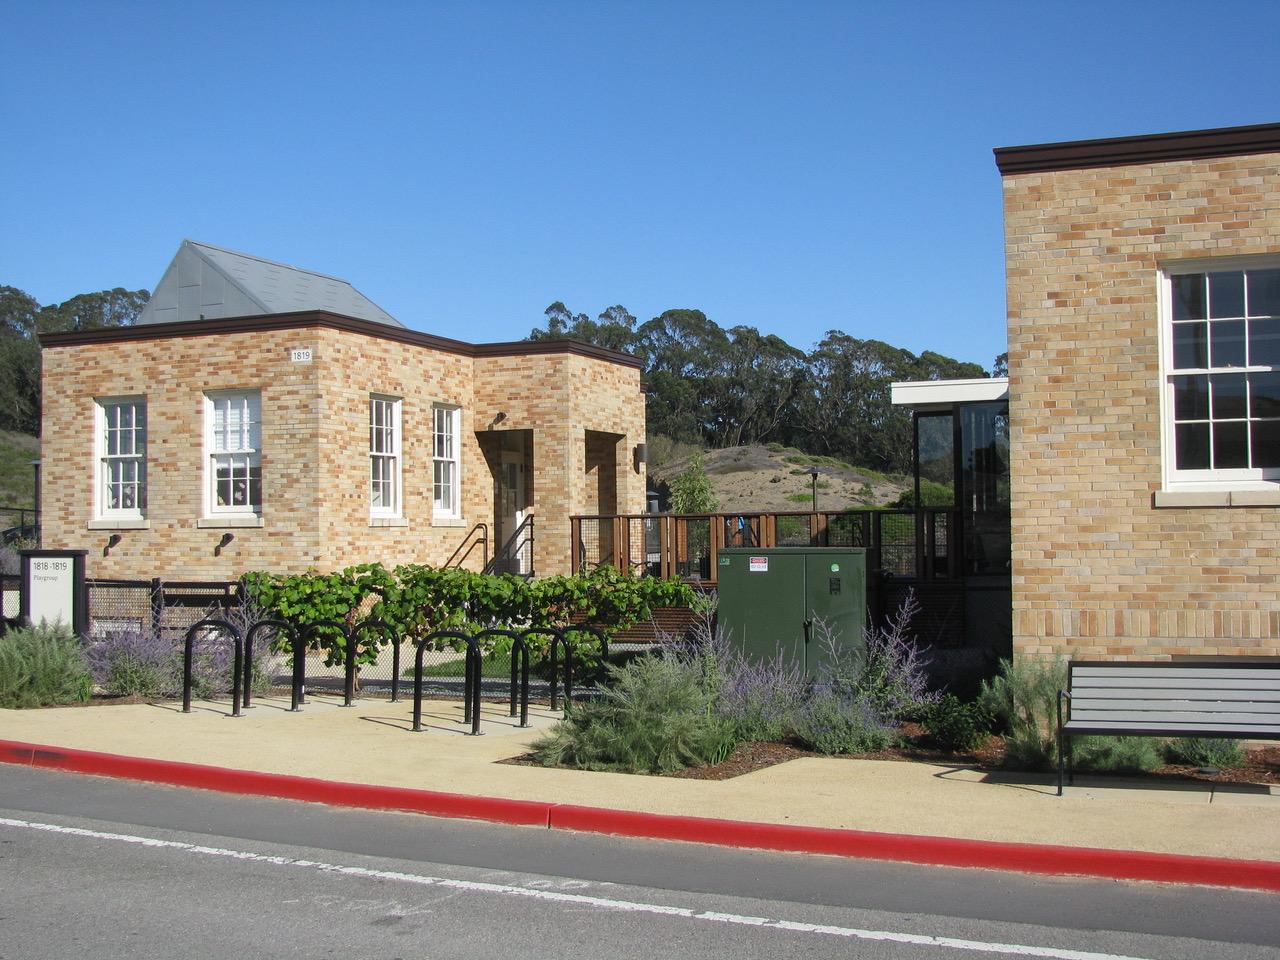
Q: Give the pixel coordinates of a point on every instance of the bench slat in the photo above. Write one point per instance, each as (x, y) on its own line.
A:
(1173, 693)
(1182, 717)
(1145, 670)
(1261, 731)
(1191, 683)
(1082, 705)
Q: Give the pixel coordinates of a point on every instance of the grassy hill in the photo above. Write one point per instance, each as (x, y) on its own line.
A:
(776, 478)
(17, 479)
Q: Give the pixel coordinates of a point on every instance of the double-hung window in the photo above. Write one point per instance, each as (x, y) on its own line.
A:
(1222, 373)
(234, 452)
(384, 457)
(445, 496)
(122, 458)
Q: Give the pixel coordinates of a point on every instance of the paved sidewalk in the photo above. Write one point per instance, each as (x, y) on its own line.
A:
(371, 743)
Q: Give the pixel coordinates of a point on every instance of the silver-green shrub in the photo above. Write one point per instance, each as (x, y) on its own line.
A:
(42, 666)
(1022, 700)
(654, 716)
(1116, 754)
(1205, 752)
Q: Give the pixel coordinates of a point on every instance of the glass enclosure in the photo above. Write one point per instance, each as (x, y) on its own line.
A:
(984, 480)
(979, 470)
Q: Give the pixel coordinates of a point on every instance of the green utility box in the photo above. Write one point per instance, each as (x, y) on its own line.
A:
(767, 595)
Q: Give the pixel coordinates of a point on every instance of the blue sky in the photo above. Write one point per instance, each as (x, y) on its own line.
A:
(797, 167)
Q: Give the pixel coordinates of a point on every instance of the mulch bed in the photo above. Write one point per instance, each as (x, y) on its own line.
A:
(1260, 767)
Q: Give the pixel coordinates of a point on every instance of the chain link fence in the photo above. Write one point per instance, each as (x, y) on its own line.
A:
(140, 613)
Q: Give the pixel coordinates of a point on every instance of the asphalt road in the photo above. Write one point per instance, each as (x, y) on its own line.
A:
(107, 868)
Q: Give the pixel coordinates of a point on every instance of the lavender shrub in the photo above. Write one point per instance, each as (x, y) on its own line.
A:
(886, 672)
(840, 721)
(142, 663)
(862, 692)
(135, 663)
(761, 698)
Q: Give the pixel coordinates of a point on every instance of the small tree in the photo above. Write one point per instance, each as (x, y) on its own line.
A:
(691, 491)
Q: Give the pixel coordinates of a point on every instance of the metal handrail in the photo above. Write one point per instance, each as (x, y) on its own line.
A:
(515, 542)
(484, 540)
(900, 541)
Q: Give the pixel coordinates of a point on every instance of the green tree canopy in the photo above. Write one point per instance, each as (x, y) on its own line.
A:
(22, 318)
(724, 388)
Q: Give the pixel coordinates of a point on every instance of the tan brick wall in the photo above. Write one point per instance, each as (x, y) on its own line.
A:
(315, 460)
(173, 375)
(1098, 571)
(561, 397)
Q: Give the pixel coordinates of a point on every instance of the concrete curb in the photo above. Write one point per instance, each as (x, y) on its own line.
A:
(937, 851)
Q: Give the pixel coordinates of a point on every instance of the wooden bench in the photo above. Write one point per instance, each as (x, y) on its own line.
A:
(1208, 699)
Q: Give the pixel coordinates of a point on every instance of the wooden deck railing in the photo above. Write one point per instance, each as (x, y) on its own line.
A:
(917, 544)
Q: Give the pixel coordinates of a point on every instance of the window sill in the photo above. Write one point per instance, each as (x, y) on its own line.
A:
(231, 520)
(449, 522)
(124, 523)
(388, 522)
(1216, 498)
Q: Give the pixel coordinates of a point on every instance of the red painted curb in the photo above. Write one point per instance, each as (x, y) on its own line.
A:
(938, 851)
(226, 780)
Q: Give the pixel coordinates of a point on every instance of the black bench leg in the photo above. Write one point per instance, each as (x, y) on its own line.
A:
(1060, 743)
(1061, 761)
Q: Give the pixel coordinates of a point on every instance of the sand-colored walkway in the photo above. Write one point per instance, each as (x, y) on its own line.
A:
(371, 743)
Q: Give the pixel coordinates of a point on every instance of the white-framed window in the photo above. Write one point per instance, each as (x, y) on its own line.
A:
(1220, 355)
(447, 474)
(121, 461)
(233, 446)
(384, 456)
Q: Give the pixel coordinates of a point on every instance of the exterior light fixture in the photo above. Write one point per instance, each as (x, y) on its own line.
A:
(226, 539)
(640, 455)
(813, 476)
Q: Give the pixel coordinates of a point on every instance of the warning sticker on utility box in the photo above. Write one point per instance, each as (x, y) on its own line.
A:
(758, 564)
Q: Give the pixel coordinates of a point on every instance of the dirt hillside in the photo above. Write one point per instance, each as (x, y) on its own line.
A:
(776, 478)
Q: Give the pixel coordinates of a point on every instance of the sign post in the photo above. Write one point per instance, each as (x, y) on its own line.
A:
(53, 588)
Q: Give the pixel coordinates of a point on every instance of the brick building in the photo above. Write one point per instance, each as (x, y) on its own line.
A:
(264, 417)
(1144, 394)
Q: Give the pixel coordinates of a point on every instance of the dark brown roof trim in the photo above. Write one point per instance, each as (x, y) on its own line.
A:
(333, 321)
(1151, 148)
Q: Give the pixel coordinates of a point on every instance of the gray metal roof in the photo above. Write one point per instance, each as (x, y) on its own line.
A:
(207, 282)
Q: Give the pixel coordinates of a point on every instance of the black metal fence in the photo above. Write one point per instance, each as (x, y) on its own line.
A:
(126, 613)
(19, 526)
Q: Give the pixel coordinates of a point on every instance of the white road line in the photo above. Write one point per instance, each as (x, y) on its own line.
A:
(631, 906)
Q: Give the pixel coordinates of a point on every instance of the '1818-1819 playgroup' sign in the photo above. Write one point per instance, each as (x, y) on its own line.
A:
(53, 588)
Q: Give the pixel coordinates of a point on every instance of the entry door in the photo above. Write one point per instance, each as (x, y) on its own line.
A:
(511, 507)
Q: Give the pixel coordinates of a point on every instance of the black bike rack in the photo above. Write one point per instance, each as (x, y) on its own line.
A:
(557, 638)
(278, 625)
(417, 673)
(594, 631)
(519, 670)
(387, 630)
(312, 632)
(471, 687)
(568, 659)
(188, 658)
